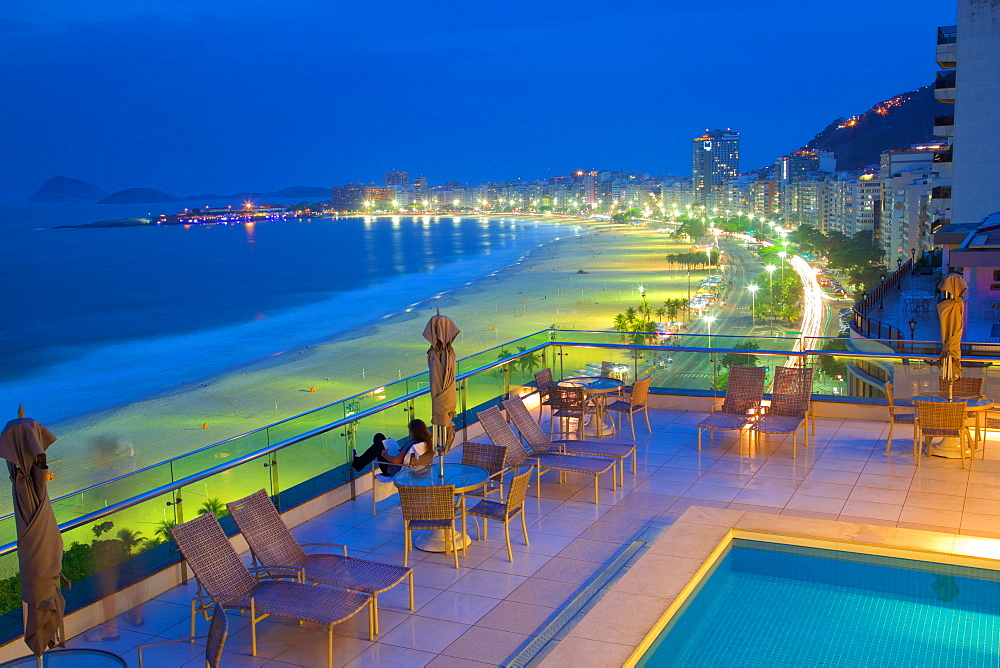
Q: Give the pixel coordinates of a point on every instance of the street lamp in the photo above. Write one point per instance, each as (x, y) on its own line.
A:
(753, 304)
(709, 319)
(782, 255)
(913, 326)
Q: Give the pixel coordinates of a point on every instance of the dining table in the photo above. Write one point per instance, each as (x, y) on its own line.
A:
(596, 390)
(464, 477)
(949, 446)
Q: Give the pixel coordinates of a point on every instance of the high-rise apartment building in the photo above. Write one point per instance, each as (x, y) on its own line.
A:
(394, 178)
(976, 161)
(715, 161)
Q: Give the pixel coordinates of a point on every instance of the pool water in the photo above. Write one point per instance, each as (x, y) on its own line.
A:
(778, 605)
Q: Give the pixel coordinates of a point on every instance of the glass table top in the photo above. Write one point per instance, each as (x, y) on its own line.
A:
(592, 383)
(462, 476)
(78, 658)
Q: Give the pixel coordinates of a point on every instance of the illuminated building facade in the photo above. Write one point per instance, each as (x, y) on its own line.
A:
(715, 161)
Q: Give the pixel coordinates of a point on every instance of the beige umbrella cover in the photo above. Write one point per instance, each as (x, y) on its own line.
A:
(441, 332)
(951, 314)
(39, 544)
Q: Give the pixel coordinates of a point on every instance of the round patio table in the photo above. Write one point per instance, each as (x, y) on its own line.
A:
(950, 446)
(78, 658)
(596, 388)
(464, 477)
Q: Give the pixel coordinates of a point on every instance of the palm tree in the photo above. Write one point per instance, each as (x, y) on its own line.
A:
(661, 313)
(671, 306)
(630, 314)
(163, 529)
(621, 322)
(130, 540)
(528, 362)
(214, 506)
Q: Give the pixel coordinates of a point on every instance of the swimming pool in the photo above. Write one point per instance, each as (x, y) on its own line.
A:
(767, 604)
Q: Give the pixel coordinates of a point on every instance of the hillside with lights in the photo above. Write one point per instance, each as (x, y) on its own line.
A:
(896, 123)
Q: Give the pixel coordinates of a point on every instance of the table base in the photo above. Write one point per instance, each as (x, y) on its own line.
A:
(436, 541)
(948, 447)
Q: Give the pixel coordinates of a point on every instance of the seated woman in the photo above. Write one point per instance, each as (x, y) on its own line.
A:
(390, 455)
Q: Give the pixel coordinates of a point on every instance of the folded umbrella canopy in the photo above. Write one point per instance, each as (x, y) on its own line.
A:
(23, 443)
(951, 314)
(441, 332)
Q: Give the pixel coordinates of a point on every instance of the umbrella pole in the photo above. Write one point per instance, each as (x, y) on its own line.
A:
(439, 435)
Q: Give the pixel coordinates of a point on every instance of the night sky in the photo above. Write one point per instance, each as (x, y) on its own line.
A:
(195, 96)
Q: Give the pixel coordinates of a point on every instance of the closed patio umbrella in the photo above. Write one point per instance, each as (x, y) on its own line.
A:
(951, 314)
(23, 443)
(441, 332)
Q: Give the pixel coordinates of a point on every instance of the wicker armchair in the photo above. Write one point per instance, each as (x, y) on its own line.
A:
(430, 508)
(969, 385)
(383, 486)
(543, 379)
(790, 404)
(271, 542)
(636, 403)
(744, 392)
(487, 456)
(505, 511)
(568, 403)
(230, 584)
(518, 457)
(215, 640)
(940, 418)
(895, 417)
(533, 435)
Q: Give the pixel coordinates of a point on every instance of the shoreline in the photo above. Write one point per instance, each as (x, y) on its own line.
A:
(537, 290)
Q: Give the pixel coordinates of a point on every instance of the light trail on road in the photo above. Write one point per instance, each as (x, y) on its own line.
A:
(813, 298)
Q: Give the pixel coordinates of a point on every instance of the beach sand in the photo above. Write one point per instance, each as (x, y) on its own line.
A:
(542, 290)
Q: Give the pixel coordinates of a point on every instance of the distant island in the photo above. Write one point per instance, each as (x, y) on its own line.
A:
(118, 222)
(65, 189)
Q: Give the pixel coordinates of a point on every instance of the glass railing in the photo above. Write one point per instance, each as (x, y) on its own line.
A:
(116, 533)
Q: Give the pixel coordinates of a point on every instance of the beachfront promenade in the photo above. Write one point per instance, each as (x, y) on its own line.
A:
(489, 611)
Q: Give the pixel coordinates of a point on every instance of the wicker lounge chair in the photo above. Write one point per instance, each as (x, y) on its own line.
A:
(271, 542)
(790, 408)
(505, 511)
(939, 418)
(635, 403)
(218, 631)
(518, 457)
(536, 438)
(896, 417)
(231, 585)
(744, 391)
(568, 403)
(543, 379)
(430, 508)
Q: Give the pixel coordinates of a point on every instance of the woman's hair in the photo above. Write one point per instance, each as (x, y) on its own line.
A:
(419, 432)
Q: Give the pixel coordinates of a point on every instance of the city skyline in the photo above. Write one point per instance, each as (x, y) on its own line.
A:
(122, 97)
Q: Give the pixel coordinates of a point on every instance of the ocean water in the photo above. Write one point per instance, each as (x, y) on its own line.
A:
(102, 317)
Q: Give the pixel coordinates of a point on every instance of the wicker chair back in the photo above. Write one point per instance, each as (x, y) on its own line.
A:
(501, 434)
(526, 425)
(484, 455)
(205, 547)
(791, 392)
(269, 539)
(744, 390)
(427, 503)
(218, 631)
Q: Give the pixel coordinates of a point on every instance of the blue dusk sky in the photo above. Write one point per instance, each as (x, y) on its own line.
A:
(195, 96)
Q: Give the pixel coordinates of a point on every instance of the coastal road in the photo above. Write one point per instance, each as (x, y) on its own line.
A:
(694, 371)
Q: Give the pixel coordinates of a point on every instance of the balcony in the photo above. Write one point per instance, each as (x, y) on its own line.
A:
(941, 193)
(944, 87)
(490, 609)
(947, 47)
(944, 126)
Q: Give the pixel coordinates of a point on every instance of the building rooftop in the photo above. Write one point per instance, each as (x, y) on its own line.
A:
(490, 610)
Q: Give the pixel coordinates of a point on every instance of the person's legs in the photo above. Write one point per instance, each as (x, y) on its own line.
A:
(362, 461)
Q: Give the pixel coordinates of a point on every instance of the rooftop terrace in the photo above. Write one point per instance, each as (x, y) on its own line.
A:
(493, 612)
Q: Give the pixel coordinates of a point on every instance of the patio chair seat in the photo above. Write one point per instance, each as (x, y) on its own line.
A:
(371, 577)
(777, 424)
(430, 524)
(596, 449)
(724, 421)
(491, 510)
(575, 463)
(298, 601)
